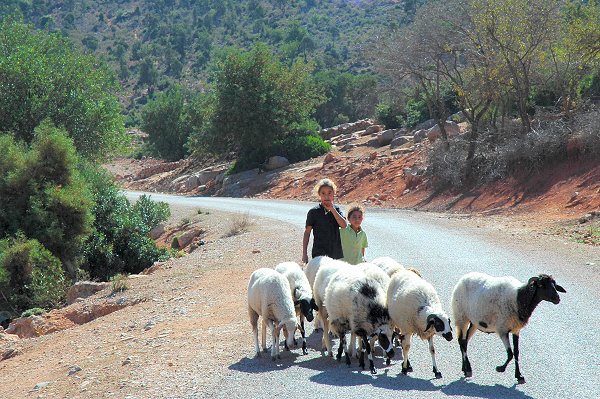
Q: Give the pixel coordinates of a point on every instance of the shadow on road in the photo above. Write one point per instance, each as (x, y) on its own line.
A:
(464, 387)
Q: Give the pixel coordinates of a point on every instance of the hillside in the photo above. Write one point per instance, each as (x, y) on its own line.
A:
(153, 44)
(563, 199)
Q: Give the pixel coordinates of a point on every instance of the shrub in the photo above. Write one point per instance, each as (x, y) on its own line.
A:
(33, 312)
(120, 242)
(119, 282)
(36, 276)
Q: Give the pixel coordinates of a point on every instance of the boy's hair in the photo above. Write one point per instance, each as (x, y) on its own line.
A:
(324, 183)
(355, 208)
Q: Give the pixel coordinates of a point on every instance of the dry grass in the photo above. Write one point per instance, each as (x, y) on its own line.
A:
(240, 224)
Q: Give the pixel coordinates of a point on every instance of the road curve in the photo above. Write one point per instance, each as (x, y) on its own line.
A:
(560, 355)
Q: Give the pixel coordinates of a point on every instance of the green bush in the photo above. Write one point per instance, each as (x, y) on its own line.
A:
(301, 147)
(43, 194)
(388, 115)
(36, 278)
(120, 242)
(33, 312)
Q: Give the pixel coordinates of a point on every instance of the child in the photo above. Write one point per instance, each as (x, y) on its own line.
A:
(324, 220)
(353, 237)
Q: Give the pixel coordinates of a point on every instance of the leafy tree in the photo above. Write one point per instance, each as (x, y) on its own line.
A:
(255, 101)
(41, 76)
(165, 120)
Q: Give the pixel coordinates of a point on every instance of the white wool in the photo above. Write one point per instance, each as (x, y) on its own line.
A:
(269, 297)
(387, 264)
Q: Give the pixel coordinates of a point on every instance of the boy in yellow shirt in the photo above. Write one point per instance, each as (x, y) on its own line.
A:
(353, 237)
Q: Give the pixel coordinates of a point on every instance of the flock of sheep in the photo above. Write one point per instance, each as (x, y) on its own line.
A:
(385, 302)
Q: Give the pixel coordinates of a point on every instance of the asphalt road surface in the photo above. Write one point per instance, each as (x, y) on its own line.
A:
(560, 347)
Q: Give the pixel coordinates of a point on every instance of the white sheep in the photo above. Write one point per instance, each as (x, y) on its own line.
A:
(415, 309)
(327, 267)
(387, 264)
(301, 293)
(355, 303)
(312, 267)
(498, 304)
(269, 297)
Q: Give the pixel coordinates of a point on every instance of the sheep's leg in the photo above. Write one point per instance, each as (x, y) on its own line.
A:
(274, 339)
(263, 337)
(518, 376)
(325, 340)
(406, 367)
(285, 336)
(463, 340)
(509, 352)
(367, 347)
(353, 345)
(254, 324)
(432, 351)
(302, 332)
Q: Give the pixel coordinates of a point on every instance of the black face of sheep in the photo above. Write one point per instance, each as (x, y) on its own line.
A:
(306, 308)
(441, 328)
(546, 288)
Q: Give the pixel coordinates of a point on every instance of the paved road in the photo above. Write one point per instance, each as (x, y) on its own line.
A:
(560, 351)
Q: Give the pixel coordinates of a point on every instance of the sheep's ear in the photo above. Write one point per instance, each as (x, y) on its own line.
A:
(560, 289)
(430, 321)
(313, 304)
(533, 280)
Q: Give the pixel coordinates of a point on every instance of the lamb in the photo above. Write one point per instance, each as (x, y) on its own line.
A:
(498, 304)
(269, 297)
(415, 309)
(301, 293)
(355, 303)
(327, 267)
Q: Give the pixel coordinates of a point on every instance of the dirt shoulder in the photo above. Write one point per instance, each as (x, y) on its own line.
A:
(186, 322)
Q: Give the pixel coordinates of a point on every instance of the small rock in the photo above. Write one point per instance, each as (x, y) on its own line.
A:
(149, 325)
(41, 385)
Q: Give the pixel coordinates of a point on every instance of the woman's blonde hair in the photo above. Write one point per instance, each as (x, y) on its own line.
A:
(324, 183)
(355, 208)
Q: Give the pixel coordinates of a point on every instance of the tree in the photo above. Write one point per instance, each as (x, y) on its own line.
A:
(42, 76)
(519, 32)
(164, 119)
(445, 48)
(255, 100)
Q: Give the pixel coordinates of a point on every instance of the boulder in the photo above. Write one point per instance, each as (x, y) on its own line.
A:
(276, 162)
(84, 289)
(186, 238)
(399, 140)
(420, 135)
(373, 129)
(385, 137)
(452, 129)
(157, 231)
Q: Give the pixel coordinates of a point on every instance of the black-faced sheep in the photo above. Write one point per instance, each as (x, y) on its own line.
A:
(301, 293)
(498, 304)
(312, 267)
(356, 303)
(269, 297)
(415, 309)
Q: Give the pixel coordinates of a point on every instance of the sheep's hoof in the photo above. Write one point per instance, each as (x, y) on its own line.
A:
(373, 370)
(347, 359)
(468, 374)
(388, 361)
(273, 358)
(304, 351)
(500, 369)
(258, 354)
(404, 371)
(438, 375)
(520, 380)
